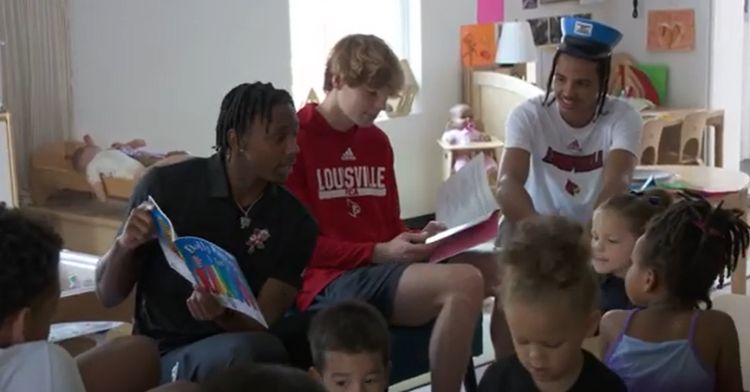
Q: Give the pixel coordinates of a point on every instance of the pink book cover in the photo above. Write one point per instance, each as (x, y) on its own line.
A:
(462, 238)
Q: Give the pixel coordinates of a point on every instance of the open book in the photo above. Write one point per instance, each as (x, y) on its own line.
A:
(206, 265)
(469, 210)
(64, 331)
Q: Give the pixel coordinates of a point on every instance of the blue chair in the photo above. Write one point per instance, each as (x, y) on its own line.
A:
(409, 354)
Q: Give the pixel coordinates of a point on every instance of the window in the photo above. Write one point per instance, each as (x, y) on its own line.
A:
(316, 25)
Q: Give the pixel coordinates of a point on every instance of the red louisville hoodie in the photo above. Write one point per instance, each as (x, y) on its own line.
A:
(346, 180)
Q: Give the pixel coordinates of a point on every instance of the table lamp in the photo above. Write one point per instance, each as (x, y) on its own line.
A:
(515, 46)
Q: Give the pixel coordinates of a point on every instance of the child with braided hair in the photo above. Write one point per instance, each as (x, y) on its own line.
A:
(616, 225)
(675, 344)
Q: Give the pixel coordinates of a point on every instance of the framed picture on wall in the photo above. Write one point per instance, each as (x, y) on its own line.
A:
(671, 30)
(8, 182)
(540, 30)
(529, 4)
(478, 44)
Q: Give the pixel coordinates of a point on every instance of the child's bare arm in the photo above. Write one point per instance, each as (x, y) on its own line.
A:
(728, 370)
(609, 328)
(98, 189)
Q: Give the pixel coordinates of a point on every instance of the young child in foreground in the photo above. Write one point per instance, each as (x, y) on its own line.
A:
(350, 346)
(30, 289)
(550, 300)
(616, 225)
(674, 345)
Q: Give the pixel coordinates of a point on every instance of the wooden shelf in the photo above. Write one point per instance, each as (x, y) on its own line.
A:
(85, 224)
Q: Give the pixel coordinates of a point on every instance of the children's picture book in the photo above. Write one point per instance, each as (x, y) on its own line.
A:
(468, 209)
(64, 331)
(680, 185)
(206, 265)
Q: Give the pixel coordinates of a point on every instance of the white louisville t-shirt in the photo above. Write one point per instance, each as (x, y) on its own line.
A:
(567, 164)
(40, 367)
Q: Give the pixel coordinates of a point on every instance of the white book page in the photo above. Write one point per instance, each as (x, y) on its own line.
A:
(466, 197)
(175, 260)
(167, 236)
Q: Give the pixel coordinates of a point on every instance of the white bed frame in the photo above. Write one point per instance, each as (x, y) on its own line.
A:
(493, 95)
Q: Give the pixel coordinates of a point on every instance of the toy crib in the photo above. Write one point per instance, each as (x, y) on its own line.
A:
(52, 170)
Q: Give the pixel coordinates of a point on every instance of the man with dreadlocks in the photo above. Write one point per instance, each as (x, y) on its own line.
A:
(232, 199)
(574, 147)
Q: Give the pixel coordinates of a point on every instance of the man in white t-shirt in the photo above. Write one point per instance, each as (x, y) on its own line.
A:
(574, 147)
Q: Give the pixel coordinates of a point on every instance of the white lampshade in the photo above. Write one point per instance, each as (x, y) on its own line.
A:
(516, 44)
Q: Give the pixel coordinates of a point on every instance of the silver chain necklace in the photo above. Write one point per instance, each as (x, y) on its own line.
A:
(244, 219)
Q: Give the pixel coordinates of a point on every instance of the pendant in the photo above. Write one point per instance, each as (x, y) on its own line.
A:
(257, 240)
(244, 222)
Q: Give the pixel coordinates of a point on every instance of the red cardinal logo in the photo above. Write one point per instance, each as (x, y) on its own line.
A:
(354, 208)
(572, 188)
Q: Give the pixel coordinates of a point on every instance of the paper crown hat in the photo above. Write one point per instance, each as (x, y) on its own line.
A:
(587, 39)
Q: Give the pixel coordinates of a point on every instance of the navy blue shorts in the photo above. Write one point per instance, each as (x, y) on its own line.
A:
(375, 283)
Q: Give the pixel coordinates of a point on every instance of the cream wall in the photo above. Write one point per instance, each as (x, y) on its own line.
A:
(158, 69)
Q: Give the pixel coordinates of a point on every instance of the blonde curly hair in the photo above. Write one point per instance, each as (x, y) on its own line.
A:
(549, 260)
(364, 60)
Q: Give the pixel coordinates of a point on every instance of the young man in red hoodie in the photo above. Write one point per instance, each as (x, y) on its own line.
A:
(344, 175)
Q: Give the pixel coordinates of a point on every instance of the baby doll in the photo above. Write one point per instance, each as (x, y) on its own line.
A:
(463, 130)
(122, 160)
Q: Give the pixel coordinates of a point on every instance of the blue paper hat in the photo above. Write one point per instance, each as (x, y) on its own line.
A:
(587, 39)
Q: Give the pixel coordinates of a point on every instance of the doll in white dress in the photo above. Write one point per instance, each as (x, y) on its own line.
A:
(122, 160)
(462, 130)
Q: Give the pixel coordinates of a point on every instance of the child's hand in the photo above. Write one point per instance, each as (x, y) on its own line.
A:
(139, 227)
(203, 306)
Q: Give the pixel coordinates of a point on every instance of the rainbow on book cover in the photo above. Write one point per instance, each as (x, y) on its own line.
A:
(207, 265)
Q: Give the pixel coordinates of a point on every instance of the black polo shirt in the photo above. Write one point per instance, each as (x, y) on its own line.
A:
(196, 197)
